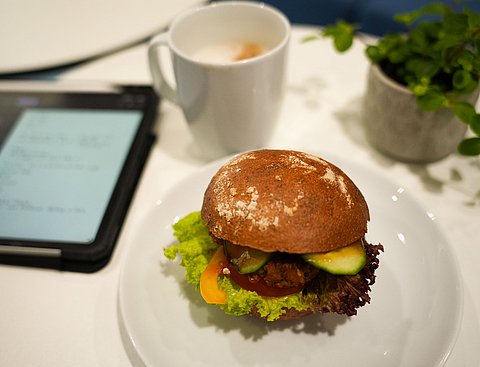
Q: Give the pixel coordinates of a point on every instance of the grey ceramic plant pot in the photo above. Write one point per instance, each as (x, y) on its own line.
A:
(395, 126)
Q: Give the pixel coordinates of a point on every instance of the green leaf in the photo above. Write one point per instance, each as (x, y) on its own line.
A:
(461, 79)
(475, 124)
(423, 67)
(313, 37)
(407, 18)
(388, 43)
(399, 55)
(469, 87)
(419, 39)
(431, 9)
(343, 41)
(432, 29)
(473, 19)
(436, 8)
(456, 23)
(374, 54)
(476, 61)
(447, 41)
(464, 111)
(342, 34)
(419, 89)
(466, 59)
(431, 101)
(469, 147)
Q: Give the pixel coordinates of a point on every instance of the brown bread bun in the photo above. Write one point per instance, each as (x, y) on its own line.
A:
(283, 200)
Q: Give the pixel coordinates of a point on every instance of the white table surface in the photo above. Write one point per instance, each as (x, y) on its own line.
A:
(51, 318)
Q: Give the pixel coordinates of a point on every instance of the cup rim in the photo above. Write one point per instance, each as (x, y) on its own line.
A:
(258, 5)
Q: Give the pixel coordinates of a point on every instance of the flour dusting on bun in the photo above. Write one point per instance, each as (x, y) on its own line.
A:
(283, 200)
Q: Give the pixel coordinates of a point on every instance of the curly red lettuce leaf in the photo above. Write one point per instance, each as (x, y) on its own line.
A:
(344, 294)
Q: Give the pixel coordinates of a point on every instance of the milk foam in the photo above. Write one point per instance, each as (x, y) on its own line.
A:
(229, 52)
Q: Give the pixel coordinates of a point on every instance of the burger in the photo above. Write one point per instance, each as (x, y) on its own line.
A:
(280, 235)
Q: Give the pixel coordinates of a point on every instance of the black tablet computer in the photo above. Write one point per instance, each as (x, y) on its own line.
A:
(70, 159)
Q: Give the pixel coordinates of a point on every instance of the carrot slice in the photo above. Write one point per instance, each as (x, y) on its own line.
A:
(208, 280)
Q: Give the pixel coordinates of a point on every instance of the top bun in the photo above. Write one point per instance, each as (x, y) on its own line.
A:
(282, 200)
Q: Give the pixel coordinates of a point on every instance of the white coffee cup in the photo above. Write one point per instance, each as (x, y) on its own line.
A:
(230, 105)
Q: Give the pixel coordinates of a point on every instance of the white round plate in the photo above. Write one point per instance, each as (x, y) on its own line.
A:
(413, 318)
(48, 33)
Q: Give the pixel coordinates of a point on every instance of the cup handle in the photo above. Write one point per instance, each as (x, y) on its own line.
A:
(160, 84)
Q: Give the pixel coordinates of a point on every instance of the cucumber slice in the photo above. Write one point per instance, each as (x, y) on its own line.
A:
(246, 259)
(347, 260)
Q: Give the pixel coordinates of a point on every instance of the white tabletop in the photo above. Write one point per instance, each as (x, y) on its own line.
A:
(51, 318)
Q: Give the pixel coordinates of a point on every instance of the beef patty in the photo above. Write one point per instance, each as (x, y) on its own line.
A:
(286, 271)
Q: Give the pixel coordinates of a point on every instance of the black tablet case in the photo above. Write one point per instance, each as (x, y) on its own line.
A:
(87, 259)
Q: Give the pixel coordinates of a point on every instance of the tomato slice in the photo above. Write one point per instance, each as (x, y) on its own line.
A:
(258, 285)
(213, 295)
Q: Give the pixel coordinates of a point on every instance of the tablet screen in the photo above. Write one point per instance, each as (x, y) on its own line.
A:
(58, 169)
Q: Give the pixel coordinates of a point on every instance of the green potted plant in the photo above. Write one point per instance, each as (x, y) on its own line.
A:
(422, 84)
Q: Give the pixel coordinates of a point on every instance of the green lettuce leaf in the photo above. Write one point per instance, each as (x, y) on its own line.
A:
(195, 247)
(241, 301)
